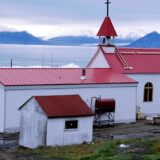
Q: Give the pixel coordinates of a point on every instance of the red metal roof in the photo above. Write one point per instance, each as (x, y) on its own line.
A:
(59, 76)
(138, 60)
(64, 106)
(107, 28)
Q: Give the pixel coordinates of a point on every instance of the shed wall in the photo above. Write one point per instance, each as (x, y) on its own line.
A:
(58, 136)
(33, 125)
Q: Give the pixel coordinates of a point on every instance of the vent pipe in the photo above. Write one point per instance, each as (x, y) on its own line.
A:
(83, 77)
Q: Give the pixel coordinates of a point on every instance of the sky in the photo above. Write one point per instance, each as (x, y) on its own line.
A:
(52, 18)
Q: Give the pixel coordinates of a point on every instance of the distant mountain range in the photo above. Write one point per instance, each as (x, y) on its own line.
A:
(72, 40)
(8, 37)
(15, 37)
(151, 40)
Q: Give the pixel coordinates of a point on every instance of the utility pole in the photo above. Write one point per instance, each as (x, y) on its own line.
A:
(11, 63)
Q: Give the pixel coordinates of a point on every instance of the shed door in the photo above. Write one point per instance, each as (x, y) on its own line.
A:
(33, 130)
(27, 130)
(40, 130)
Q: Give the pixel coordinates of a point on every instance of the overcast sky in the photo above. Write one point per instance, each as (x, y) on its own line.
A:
(48, 18)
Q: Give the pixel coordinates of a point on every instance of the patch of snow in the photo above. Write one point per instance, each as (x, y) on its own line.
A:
(71, 65)
(123, 146)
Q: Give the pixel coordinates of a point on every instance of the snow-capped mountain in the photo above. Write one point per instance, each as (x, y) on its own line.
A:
(133, 35)
(135, 39)
(150, 40)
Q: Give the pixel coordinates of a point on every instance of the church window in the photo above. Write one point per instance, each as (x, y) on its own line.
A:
(148, 92)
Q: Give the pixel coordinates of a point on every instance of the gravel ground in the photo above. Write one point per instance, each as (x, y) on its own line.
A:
(122, 131)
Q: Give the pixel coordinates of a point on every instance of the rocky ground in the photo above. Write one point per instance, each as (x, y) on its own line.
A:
(140, 129)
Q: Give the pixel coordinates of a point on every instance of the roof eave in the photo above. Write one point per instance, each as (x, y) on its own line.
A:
(74, 116)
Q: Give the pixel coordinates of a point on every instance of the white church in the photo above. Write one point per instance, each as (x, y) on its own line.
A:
(128, 76)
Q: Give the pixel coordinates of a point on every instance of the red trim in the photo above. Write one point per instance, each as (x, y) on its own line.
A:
(93, 58)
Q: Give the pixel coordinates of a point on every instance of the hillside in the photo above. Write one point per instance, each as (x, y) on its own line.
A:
(81, 40)
(8, 37)
(72, 40)
(151, 40)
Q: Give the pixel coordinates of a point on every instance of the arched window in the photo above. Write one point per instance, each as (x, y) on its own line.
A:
(148, 92)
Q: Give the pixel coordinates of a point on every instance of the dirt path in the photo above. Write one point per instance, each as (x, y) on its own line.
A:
(6, 156)
(12, 156)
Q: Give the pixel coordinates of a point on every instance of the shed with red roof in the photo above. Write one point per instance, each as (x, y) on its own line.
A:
(55, 121)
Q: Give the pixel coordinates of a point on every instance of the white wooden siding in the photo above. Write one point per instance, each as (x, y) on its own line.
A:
(148, 107)
(58, 136)
(33, 125)
(125, 97)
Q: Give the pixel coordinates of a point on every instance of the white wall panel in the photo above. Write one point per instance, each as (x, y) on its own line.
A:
(100, 62)
(148, 107)
(125, 100)
(58, 136)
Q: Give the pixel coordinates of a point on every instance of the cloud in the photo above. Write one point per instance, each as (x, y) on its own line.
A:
(53, 12)
(46, 11)
(52, 18)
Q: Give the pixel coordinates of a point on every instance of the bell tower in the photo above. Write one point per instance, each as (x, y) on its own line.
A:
(107, 32)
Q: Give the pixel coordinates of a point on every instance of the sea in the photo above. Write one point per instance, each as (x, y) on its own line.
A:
(34, 56)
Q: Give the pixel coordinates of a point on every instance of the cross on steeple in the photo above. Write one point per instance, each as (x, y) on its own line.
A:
(107, 3)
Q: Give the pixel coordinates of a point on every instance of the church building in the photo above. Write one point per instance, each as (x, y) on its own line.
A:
(128, 76)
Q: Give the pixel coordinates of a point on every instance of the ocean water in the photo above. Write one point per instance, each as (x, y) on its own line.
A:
(45, 56)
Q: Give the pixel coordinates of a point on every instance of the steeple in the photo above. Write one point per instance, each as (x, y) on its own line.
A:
(106, 31)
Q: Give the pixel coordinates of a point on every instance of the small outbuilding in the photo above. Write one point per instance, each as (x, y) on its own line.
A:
(55, 121)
